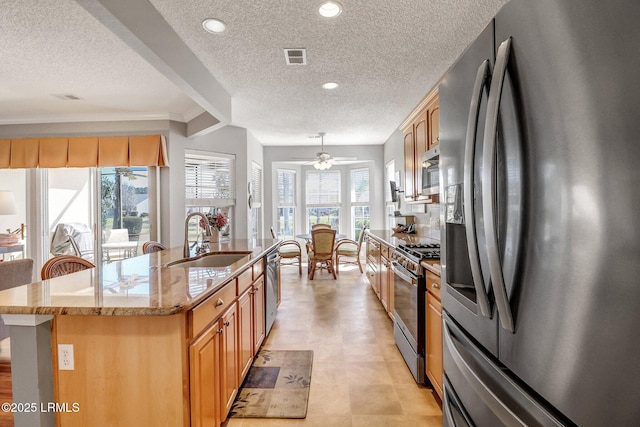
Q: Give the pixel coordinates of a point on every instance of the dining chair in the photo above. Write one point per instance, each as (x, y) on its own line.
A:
(152, 246)
(349, 249)
(316, 226)
(62, 265)
(321, 251)
(14, 273)
(289, 250)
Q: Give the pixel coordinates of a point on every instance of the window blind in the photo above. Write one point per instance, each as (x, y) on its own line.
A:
(256, 183)
(286, 187)
(323, 188)
(360, 186)
(209, 180)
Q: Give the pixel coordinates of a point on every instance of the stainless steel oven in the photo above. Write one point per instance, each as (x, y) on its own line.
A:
(409, 290)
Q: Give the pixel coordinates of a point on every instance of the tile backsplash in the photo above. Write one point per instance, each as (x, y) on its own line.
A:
(429, 222)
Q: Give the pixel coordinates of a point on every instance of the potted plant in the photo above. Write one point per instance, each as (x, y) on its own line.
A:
(133, 223)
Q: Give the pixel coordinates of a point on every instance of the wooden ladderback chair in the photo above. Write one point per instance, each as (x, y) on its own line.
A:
(64, 264)
(321, 251)
(151, 246)
(348, 252)
(289, 252)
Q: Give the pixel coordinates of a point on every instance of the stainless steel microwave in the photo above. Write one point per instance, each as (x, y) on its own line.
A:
(431, 172)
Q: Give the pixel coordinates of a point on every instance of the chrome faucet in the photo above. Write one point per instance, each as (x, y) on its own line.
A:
(207, 232)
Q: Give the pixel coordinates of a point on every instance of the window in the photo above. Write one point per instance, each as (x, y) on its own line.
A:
(286, 206)
(389, 175)
(209, 186)
(255, 192)
(323, 198)
(360, 212)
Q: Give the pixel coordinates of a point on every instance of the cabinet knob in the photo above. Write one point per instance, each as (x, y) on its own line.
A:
(220, 331)
(227, 323)
(436, 285)
(219, 302)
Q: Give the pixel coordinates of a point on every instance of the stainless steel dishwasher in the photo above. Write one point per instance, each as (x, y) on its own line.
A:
(271, 297)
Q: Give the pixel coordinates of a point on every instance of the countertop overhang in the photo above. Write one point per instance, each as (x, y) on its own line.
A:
(139, 286)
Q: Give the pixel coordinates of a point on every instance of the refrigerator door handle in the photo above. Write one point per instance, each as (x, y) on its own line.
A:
(482, 79)
(489, 184)
(499, 408)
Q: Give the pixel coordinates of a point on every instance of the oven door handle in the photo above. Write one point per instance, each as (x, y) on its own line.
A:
(400, 271)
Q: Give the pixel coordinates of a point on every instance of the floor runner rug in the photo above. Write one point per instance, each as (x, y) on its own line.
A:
(277, 386)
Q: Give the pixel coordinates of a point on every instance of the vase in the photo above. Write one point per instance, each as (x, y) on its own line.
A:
(215, 235)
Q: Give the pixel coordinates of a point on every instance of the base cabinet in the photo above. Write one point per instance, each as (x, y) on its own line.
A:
(230, 351)
(434, 342)
(204, 355)
(259, 315)
(245, 319)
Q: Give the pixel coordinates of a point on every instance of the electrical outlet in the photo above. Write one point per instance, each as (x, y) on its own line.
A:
(65, 357)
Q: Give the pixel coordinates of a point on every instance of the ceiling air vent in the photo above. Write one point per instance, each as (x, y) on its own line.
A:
(295, 56)
(67, 97)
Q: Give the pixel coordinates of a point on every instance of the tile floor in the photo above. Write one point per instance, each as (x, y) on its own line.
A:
(359, 378)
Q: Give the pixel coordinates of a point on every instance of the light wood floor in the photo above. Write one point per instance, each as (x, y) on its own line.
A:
(359, 377)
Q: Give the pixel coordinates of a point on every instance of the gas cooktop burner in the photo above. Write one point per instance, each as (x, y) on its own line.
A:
(422, 251)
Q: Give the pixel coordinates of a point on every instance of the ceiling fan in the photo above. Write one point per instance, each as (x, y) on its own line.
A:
(323, 159)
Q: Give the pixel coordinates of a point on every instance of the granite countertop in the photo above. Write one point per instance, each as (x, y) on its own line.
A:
(139, 286)
(394, 239)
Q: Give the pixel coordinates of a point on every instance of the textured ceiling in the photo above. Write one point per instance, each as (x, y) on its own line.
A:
(53, 47)
(386, 56)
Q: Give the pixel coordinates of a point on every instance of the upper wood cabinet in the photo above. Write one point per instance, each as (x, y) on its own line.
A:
(421, 133)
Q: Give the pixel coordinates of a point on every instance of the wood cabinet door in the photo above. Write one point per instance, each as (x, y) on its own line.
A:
(434, 126)
(384, 283)
(245, 329)
(434, 342)
(204, 360)
(409, 165)
(259, 320)
(421, 140)
(229, 359)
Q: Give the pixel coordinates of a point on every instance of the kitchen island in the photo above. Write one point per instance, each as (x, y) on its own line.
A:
(151, 344)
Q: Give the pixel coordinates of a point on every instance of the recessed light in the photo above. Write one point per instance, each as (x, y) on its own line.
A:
(330, 9)
(330, 85)
(214, 26)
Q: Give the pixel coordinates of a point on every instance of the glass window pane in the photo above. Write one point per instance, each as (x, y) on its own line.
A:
(285, 223)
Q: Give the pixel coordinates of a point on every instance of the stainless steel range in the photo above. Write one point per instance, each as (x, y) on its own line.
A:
(409, 290)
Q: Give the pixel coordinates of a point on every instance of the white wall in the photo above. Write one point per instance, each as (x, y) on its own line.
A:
(14, 180)
(227, 140)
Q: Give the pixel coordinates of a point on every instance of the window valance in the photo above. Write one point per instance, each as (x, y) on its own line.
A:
(146, 150)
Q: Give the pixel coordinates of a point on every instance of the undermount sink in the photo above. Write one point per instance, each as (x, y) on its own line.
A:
(212, 259)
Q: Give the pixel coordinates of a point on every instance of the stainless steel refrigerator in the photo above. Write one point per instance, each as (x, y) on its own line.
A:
(540, 197)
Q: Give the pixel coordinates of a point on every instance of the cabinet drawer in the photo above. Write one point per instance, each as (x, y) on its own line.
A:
(433, 284)
(385, 251)
(244, 280)
(258, 269)
(207, 311)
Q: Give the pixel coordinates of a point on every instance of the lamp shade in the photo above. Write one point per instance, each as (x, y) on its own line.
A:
(7, 203)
